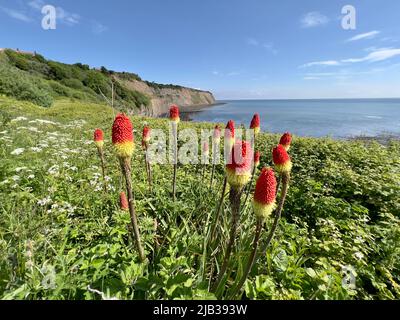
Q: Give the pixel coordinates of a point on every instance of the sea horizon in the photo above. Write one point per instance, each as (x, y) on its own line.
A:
(337, 118)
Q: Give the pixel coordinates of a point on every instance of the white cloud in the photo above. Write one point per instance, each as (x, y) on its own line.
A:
(36, 4)
(16, 14)
(98, 28)
(268, 45)
(321, 63)
(271, 48)
(66, 17)
(368, 35)
(311, 78)
(313, 19)
(376, 56)
(252, 42)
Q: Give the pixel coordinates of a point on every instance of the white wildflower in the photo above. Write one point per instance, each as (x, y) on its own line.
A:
(19, 169)
(54, 170)
(36, 149)
(44, 202)
(18, 152)
(19, 119)
(359, 255)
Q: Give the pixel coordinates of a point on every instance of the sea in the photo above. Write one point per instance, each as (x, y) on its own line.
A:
(336, 118)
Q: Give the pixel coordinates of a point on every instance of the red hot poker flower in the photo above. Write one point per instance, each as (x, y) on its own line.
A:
(122, 136)
(174, 114)
(146, 136)
(265, 194)
(238, 170)
(217, 133)
(282, 161)
(255, 123)
(286, 141)
(230, 133)
(123, 202)
(99, 138)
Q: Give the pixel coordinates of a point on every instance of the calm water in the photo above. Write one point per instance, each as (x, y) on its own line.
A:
(317, 118)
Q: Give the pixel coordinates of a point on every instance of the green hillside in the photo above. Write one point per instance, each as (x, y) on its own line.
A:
(32, 78)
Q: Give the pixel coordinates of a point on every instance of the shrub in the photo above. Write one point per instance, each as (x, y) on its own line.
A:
(73, 83)
(23, 87)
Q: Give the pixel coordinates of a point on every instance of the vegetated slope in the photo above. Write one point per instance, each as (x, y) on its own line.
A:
(29, 76)
(62, 237)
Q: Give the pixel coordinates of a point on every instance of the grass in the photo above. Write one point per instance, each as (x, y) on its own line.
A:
(62, 237)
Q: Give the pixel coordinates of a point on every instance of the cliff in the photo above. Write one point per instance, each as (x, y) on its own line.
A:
(163, 96)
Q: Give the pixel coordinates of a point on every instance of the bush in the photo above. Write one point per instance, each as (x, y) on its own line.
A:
(73, 83)
(23, 87)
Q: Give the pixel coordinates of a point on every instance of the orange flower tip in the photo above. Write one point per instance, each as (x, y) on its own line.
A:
(98, 138)
(239, 168)
(281, 159)
(286, 141)
(123, 202)
(265, 194)
(255, 123)
(146, 136)
(174, 114)
(230, 129)
(122, 136)
(217, 133)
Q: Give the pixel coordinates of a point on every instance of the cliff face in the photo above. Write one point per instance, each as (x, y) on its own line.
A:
(163, 97)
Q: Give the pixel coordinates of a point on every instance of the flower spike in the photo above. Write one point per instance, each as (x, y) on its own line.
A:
(174, 114)
(122, 136)
(286, 141)
(282, 161)
(265, 194)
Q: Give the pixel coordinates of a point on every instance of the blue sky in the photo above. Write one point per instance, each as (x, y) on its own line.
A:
(251, 49)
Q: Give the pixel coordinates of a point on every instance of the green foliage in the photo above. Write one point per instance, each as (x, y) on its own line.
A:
(54, 79)
(24, 87)
(62, 237)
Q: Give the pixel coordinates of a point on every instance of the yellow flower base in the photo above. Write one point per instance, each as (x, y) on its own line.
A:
(263, 211)
(99, 144)
(124, 149)
(287, 167)
(238, 180)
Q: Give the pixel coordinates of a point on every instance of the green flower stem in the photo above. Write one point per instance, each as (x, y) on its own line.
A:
(252, 258)
(285, 186)
(234, 197)
(125, 165)
(212, 175)
(221, 201)
(175, 133)
(250, 185)
(103, 167)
